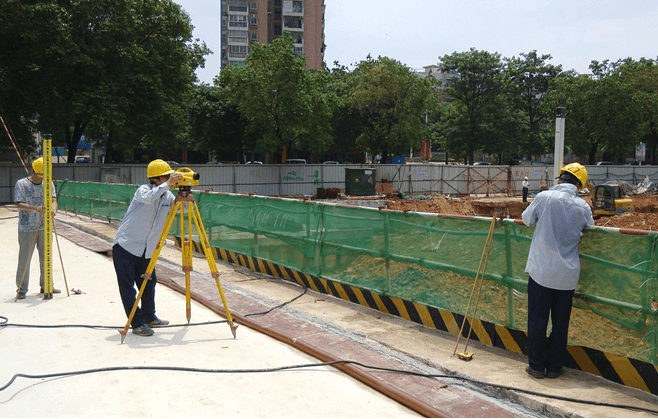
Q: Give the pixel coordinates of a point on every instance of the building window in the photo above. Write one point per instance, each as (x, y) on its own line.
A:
(238, 49)
(237, 37)
(298, 50)
(237, 21)
(254, 37)
(254, 6)
(277, 30)
(237, 5)
(254, 21)
(277, 2)
(298, 6)
(293, 23)
(277, 15)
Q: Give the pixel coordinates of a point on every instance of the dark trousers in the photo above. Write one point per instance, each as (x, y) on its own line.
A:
(525, 194)
(130, 270)
(548, 353)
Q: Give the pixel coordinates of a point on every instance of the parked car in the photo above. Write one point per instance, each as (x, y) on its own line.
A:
(295, 161)
(254, 162)
(330, 162)
(481, 163)
(604, 163)
(82, 160)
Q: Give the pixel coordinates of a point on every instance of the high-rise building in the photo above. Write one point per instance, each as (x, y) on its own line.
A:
(244, 22)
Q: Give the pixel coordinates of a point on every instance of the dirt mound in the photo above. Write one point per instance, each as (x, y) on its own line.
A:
(436, 205)
(645, 216)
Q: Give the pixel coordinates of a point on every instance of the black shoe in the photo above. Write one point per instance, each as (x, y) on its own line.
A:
(21, 296)
(554, 374)
(534, 373)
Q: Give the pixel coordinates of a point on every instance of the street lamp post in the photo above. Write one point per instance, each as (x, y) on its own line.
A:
(558, 155)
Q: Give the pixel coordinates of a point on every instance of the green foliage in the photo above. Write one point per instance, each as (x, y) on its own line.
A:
(284, 104)
(527, 83)
(471, 118)
(602, 110)
(391, 101)
(642, 76)
(123, 66)
(216, 127)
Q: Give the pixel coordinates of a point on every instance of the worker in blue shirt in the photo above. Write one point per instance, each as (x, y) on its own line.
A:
(28, 195)
(559, 216)
(136, 240)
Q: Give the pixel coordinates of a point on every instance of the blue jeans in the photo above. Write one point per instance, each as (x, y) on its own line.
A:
(130, 270)
(548, 353)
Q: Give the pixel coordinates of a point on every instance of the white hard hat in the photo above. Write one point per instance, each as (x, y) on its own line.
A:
(526, 178)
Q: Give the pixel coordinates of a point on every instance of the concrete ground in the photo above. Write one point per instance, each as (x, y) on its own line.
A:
(316, 392)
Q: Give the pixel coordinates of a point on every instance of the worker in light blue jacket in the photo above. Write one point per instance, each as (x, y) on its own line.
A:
(559, 216)
(135, 242)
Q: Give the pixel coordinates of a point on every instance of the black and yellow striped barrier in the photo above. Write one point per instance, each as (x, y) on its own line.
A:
(620, 369)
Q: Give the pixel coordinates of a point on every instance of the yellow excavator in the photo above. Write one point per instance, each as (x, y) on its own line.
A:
(608, 200)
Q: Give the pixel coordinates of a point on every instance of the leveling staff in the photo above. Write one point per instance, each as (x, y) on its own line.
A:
(28, 195)
(136, 240)
(559, 216)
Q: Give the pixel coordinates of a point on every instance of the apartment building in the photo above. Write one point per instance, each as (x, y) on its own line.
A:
(444, 77)
(244, 22)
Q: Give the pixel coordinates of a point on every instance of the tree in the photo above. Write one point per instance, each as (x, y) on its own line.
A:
(602, 114)
(617, 112)
(576, 94)
(283, 104)
(345, 120)
(123, 66)
(643, 77)
(528, 81)
(392, 101)
(217, 128)
(475, 94)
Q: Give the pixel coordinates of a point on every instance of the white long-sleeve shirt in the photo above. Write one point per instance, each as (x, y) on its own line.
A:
(559, 215)
(144, 220)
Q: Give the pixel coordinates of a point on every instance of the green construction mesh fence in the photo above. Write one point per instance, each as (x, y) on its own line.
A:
(425, 259)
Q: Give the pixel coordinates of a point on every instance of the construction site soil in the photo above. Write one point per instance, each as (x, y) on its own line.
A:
(618, 339)
(645, 216)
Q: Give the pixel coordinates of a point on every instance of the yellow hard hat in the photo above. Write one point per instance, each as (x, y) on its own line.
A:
(158, 168)
(37, 166)
(577, 170)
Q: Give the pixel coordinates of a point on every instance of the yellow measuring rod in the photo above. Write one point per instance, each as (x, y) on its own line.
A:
(48, 217)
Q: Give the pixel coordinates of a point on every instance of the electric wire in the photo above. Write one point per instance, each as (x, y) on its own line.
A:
(98, 327)
(322, 364)
(5, 323)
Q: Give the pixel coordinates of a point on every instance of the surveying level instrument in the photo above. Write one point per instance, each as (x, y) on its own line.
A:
(48, 216)
(184, 196)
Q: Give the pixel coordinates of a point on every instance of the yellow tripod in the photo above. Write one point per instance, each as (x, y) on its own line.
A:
(184, 196)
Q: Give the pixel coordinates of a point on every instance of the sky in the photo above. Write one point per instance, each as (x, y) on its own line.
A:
(419, 32)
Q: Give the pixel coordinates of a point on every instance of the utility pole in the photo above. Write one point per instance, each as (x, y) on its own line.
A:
(558, 155)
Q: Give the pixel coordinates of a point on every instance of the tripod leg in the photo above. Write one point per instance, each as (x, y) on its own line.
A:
(203, 238)
(187, 257)
(151, 267)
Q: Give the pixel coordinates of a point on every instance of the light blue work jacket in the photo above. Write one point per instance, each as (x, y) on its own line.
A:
(559, 216)
(144, 220)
